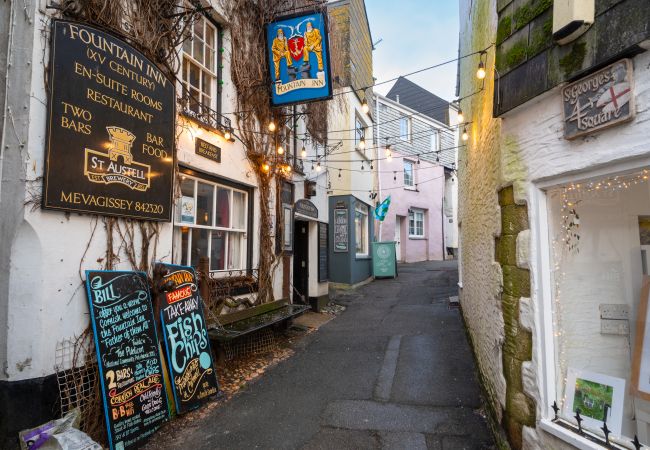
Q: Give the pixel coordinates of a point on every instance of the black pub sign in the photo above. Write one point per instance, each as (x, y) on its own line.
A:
(207, 150)
(110, 140)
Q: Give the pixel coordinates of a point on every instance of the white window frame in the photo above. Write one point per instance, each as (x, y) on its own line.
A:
(407, 120)
(435, 139)
(409, 183)
(364, 210)
(230, 230)
(544, 294)
(413, 233)
(209, 72)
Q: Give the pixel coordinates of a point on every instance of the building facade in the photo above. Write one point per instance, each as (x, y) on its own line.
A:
(350, 175)
(554, 199)
(215, 218)
(415, 168)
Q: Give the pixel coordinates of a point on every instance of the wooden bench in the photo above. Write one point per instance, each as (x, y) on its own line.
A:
(241, 323)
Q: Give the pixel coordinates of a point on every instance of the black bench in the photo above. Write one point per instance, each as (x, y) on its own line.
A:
(241, 323)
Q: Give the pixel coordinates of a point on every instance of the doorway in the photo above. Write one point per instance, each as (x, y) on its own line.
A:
(301, 261)
(398, 238)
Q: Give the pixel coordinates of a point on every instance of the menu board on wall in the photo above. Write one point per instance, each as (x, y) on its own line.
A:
(110, 135)
(323, 261)
(186, 340)
(341, 230)
(135, 402)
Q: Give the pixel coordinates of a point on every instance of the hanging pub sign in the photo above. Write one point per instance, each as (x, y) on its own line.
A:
(110, 137)
(600, 100)
(189, 358)
(298, 55)
(133, 392)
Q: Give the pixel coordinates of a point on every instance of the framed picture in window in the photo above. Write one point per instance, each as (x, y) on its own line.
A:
(599, 398)
(187, 209)
(641, 356)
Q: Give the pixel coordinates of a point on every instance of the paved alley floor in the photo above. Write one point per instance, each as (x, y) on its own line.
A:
(394, 371)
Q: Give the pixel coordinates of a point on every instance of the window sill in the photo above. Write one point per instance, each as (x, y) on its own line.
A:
(567, 436)
(410, 188)
(417, 238)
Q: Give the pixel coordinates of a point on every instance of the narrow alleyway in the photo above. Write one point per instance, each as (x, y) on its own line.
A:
(394, 371)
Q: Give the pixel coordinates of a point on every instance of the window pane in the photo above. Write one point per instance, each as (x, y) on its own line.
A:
(408, 173)
(195, 73)
(234, 251)
(210, 35)
(223, 207)
(187, 187)
(195, 96)
(204, 195)
(198, 50)
(207, 83)
(218, 256)
(187, 45)
(238, 210)
(198, 28)
(199, 245)
(209, 59)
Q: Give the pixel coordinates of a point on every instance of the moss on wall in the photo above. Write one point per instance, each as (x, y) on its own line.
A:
(572, 61)
(518, 342)
(504, 29)
(527, 12)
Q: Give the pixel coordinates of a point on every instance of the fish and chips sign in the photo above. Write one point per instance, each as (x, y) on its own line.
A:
(298, 55)
(602, 99)
(110, 142)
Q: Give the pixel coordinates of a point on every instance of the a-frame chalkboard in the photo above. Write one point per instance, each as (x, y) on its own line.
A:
(135, 402)
(189, 357)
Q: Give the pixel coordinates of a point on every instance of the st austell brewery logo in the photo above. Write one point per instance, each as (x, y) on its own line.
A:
(116, 164)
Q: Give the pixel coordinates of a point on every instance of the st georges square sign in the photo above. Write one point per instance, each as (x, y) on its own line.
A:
(110, 143)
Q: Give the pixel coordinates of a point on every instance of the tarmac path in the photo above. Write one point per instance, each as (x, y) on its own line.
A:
(394, 371)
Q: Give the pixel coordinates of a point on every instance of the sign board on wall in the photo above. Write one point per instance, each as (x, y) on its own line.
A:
(186, 340)
(341, 239)
(110, 138)
(600, 100)
(306, 208)
(323, 256)
(133, 392)
(298, 56)
(207, 150)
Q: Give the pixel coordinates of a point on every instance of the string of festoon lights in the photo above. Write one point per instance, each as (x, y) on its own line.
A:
(285, 168)
(566, 245)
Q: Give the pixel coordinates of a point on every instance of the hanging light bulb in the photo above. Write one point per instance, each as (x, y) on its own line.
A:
(227, 136)
(465, 136)
(339, 173)
(371, 165)
(389, 156)
(318, 167)
(280, 150)
(418, 159)
(287, 168)
(266, 167)
(364, 106)
(461, 117)
(437, 157)
(312, 165)
(394, 176)
(480, 73)
(388, 150)
(362, 167)
(303, 152)
(271, 126)
(362, 143)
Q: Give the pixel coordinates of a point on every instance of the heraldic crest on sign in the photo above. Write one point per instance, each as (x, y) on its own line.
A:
(299, 59)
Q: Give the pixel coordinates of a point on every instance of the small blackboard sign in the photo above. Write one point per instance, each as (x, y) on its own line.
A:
(341, 230)
(135, 402)
(189, 358)
(207, 150)
(323, 260)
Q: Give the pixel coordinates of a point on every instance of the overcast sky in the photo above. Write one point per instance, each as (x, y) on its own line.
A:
(416, 34)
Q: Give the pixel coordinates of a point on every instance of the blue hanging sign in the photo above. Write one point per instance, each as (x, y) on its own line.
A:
(298, 53)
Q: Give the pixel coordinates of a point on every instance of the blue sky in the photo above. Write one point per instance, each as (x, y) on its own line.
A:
(416, 34)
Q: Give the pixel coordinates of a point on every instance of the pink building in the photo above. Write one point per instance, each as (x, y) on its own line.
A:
(417, 168)
(415, 216)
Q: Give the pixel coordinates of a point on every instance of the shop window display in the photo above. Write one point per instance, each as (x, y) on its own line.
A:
(599, 230)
